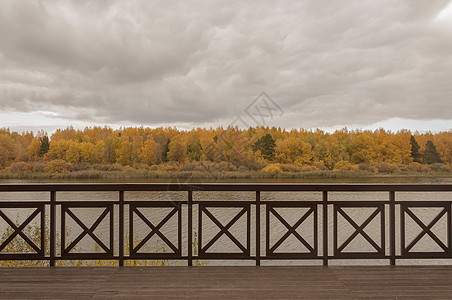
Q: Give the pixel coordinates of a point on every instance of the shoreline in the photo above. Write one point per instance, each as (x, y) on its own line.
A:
(148, 175)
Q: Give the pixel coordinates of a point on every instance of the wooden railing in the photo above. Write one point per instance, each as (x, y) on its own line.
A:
(324, 228)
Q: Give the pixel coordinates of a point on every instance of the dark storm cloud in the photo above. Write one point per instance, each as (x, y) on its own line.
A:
(162, 62)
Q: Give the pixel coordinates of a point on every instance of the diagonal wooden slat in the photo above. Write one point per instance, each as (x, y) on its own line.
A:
(426, 229)
(224, 229)
(359, 229)
(86, 230)
(291, 230)
(155, 230)
(19, 230)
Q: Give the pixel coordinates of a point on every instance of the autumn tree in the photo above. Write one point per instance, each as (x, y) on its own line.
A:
(96, 153)
(109, 149)
(7, 150)
(209, 150)
(59, 149)
(358, 147)
(176, 150)
(148, 153)
(325, 151)
(34, 148)
(22, 142)
(73, 152)
(294, 151)
(86, 153)
(67, 134)
(159, 135)
(124, 151)
(443, 143)
(401, 143)
(194, 151)
(239, 154)
(249, 149)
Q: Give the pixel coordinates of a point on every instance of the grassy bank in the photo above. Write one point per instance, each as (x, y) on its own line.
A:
(144, 174)
(61, 170)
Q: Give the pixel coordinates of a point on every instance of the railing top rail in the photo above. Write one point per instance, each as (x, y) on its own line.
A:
(271, 187)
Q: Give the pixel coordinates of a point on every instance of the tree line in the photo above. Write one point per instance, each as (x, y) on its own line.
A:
(255, 148)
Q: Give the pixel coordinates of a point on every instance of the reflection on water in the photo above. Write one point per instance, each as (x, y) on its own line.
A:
(238, 229)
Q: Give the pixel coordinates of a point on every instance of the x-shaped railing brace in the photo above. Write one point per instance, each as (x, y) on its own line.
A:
(18, 230)
(291, 230)
(155, 230)
(86, 230)
(426, 229)
(224, 230)
(359, 229)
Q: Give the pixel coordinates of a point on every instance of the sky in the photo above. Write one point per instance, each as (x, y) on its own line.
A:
(361, 64)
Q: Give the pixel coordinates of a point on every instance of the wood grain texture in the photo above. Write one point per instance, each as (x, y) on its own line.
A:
(308, 282)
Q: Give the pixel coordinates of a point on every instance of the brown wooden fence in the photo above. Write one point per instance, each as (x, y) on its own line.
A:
(324, 229)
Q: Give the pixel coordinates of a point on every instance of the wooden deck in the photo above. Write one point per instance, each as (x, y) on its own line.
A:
(228, 282)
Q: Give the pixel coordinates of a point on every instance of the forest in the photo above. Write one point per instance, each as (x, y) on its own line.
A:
(216, 150)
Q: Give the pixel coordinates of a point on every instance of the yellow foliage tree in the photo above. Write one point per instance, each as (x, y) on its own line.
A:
(124, 151)
(176, 150)
(148, 153)
(33, 148)
(293, 151)
(73, 153)
(7, 150)
(86, 151)
(58, 149)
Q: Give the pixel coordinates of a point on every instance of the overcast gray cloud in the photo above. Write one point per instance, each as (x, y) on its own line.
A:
(325, 63)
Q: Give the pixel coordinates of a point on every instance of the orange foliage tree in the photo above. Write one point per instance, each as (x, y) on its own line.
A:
(230, 146)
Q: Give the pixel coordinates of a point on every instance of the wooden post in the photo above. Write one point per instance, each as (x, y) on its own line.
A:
(325, 227)
(190, 228)
(121, 228)
(392, 226)
(258, 228)
(52, 227)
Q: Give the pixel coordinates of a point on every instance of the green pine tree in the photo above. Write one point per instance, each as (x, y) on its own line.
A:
(266, 144)
(45, 145)
(417, 157)
(431, 155)
(165, 151)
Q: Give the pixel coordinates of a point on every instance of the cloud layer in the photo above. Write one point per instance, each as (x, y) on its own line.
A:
(203, 62)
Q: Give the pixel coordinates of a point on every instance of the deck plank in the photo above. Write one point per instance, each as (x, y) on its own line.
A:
(301, 282)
